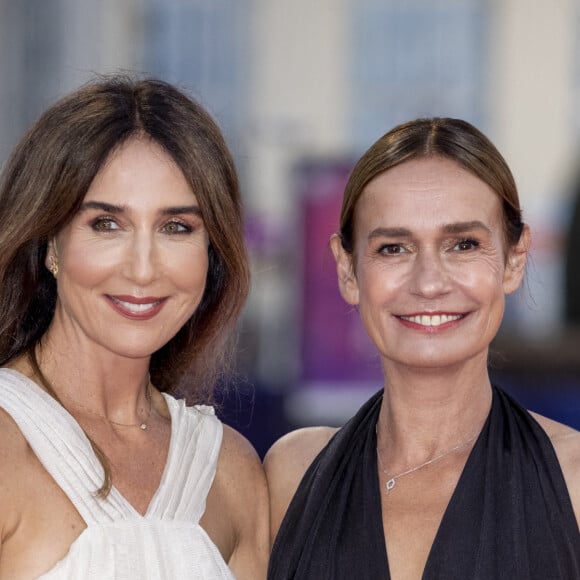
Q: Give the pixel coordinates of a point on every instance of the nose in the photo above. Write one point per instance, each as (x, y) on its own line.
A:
(141, 262)
(430, 277)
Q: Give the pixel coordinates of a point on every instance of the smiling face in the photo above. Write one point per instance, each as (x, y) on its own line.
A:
(132, 263)
(430, 268)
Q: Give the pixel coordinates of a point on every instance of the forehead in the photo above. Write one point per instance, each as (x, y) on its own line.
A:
(140, 169)
(427, 193)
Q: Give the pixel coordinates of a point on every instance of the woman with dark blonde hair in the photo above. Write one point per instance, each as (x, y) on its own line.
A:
(123, 274)
(440, 475)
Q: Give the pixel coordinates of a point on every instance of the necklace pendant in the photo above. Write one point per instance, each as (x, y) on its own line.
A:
(143, 426)
(390, 484)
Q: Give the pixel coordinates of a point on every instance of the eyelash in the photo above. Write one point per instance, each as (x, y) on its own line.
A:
(98, 224)
(472, 243)
(386, 249)
(103, 224)
(398, 249)
(186, 229)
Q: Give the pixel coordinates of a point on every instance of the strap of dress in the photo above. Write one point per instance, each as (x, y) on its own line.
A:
(196, 437)
(333, 529)
(61, 446)
(510, 515)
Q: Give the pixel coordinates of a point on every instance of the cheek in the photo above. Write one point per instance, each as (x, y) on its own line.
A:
(482, 272)
(86, 265)
(189, 268)
(377, 293)
(380, 278)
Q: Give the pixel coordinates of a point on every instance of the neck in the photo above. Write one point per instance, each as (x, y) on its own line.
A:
(115, 388)
(424, 414)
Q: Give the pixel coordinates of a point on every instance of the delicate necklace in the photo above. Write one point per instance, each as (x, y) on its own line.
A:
(390, 483)
(143, 425)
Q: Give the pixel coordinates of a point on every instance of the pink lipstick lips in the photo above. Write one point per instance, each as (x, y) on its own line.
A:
(137, 308)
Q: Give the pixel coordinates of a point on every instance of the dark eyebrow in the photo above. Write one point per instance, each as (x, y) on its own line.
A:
(463, 227)
(455, 228)
(116, 209)
(108, 207)
(183, 209)
(390, 233)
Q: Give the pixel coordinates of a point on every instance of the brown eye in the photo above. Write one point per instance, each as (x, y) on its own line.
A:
(104, 224)
(466, 245)
(391, 249)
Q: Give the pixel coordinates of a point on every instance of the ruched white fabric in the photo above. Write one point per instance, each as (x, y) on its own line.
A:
(119, 543)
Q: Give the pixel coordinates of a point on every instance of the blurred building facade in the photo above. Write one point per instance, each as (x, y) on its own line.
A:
(302, 85)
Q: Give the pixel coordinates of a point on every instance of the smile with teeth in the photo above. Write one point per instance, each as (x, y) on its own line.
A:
(432, 320)
(135, 308)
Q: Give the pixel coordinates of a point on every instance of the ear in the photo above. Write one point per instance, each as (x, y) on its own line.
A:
(347, 283)
(516, 262)
(51, 255)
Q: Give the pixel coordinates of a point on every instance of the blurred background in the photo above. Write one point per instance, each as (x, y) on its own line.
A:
(301, 89)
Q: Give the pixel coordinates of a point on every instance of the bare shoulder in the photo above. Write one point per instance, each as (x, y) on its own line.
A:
(291, 455)
(286, 463)
(238, 456)
(14, 456)
(37, 528)
(240, 472)
(566, 442)
(237, 515)
(14, 449)
(565, 439)
(11, 434)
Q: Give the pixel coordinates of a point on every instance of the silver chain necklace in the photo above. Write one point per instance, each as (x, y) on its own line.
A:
(390, 483)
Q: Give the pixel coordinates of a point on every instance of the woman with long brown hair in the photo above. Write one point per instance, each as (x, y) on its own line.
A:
(123, 272)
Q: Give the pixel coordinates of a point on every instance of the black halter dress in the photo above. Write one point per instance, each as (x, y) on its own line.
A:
(509, 518)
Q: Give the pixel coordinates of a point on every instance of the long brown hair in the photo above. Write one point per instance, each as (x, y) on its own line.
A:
(46, 179)
(435, 137)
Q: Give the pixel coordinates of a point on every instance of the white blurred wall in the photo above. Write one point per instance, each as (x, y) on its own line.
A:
(532, 95)
(286, 87)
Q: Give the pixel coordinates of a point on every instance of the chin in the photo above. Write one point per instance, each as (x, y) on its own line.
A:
(138, 350)
(435, 359)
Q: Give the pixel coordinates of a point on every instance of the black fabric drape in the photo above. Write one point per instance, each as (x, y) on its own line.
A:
(333, 527)
(510, 517)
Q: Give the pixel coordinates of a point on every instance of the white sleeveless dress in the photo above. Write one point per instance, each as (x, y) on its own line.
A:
(119, 543)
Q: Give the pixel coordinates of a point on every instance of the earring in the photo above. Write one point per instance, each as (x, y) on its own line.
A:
(53, 266)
